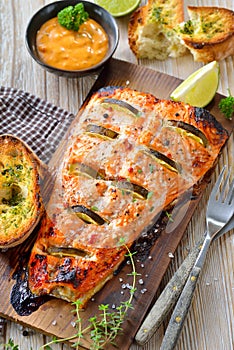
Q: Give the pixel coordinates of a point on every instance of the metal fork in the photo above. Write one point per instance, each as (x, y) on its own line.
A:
(220, 209)
(172, 291)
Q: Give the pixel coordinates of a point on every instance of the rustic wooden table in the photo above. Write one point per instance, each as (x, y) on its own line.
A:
(210, 323)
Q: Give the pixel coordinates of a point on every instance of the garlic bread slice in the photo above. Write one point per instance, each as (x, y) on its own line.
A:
(20, 202)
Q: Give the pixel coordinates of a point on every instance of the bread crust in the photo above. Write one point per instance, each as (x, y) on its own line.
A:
(137, 19)
(215, 39)
(21, 205)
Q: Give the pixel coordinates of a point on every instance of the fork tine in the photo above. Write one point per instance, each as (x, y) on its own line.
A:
(230, 195)
(216, 186)
(222, 194)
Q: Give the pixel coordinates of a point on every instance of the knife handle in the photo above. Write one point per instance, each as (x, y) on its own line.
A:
(183, 304)
(180, 312)
(167, 298)
(171, 292)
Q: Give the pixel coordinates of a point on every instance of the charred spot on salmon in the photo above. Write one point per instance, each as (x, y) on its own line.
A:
(51, 232)
(86, 170)
(101, 131)
(121, 105)
(67, 252)
(137, 191)
(203, 116)
(88, 216)
(164, 160)
(40, 261)
(40, 257)
(66, 275)
(188, 130)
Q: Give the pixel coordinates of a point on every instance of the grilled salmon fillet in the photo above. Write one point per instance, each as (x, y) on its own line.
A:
(129, 156)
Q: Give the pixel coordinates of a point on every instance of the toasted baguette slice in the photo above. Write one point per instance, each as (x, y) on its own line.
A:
(150, 31)
(20, 201)
(209, 34)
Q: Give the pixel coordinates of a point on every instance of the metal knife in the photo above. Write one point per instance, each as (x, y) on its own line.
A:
(171, 292)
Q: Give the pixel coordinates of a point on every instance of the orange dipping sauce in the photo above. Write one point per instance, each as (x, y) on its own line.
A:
(71, 50)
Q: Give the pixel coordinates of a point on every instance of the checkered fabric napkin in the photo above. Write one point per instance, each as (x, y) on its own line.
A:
(37, 122)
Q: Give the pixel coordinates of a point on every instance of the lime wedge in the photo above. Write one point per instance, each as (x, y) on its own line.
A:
(200, 87)
(118, 8)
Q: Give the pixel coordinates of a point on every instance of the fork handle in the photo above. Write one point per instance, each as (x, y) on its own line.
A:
(168, 297)
(182, 307)
(180, 312)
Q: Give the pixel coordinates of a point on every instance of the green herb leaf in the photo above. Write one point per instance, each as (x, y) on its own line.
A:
(10, 345)
(151, 168)
(169, 216)
(226, 106)
(150, 195)
(72, 17)
(47, 347)
(94, 208)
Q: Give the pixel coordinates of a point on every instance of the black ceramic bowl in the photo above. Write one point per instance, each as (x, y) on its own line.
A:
(97, 13)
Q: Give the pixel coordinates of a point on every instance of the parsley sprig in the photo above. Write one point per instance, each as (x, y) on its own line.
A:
(226, 105)
(72, 17)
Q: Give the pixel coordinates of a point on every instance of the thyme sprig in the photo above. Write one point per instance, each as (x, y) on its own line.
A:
(10, 345)
(104, 327)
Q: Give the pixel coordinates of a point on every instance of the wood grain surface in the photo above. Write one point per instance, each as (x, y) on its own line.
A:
(210, 321)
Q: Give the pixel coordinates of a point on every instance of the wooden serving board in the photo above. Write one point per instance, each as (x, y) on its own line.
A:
(55, 317)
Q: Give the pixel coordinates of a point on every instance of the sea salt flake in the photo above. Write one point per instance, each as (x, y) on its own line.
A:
(143, 291)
